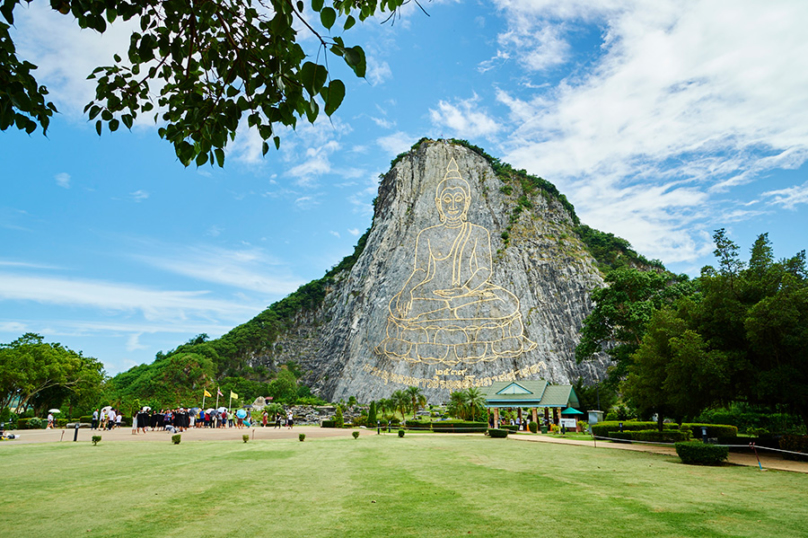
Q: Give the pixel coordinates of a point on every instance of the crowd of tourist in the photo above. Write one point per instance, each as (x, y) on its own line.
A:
(181, 419)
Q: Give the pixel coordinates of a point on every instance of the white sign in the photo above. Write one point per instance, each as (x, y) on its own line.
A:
(568, 422)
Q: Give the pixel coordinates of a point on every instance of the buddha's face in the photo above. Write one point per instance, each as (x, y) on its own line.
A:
(452, 203)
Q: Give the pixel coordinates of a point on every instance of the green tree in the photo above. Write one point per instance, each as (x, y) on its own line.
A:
(401, 402)
(590, 395)
(339, 420)
(457, 404)
(284, 387)
(622, 311)
(417, 399)
(205, 67)
(372, 414)
(474, 402)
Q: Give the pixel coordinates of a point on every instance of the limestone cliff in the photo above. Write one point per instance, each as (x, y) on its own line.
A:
(517, 274)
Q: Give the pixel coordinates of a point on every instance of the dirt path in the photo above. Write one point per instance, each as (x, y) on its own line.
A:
(747, 458)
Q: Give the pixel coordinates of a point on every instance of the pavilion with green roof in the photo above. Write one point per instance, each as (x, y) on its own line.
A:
(535, 394)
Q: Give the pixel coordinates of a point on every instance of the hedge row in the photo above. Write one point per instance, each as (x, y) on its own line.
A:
(459, 427)
(498, 434)
(713, 430)
(698, 453)
(603, 428)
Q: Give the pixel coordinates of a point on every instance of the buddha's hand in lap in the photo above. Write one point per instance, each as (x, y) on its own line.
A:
(453, 292)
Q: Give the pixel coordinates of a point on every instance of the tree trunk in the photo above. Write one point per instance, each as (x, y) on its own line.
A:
(660, 420)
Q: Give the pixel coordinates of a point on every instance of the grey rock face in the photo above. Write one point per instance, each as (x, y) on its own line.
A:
(461, 306)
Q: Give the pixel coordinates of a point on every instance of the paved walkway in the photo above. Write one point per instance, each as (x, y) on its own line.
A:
(193, 434)
(746, 458)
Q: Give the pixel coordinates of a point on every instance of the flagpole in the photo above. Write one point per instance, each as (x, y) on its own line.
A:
(230, 403)
(204, 393)
(218, 391)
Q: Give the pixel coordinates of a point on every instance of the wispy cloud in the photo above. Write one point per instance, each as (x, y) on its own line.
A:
(353, 231)
(152, 303)
(63, 180)
(396, 143)
(673, 113)
(377, 71)
(138, 196)
(789, 198)
(250, 268)
(335, 234)
(465, 118)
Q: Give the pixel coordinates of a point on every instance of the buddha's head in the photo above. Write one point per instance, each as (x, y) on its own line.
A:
(453, 196)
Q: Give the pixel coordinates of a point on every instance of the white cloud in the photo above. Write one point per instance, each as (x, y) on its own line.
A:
(705, 94)
(465, 119)
(377, 72)
(139, 195)
(396, 143)
(384, 123)
(214, 231)
(13, 327)
(247, 268)
(353, 231)
(335, 234)
(63, 180)
(154, 304)
(133, 342)
(306, 202)
(791, 197)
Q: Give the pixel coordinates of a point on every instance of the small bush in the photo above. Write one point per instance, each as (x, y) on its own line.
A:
(795, 443)
(498, 433)
(176, 439)
(698, 453)
(339, 421)
(327, 424)
(302, 437)
(87, 419)
(245, 437)
(95, 439)
(533, 427)
(60, 422)
(395, 421)
(355, 435)
(401, 433)
(360, 421)
(508, 427)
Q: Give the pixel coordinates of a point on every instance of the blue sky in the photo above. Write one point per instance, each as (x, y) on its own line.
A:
(660, 121)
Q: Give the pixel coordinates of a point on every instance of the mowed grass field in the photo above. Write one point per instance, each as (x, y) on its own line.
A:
(384, 486)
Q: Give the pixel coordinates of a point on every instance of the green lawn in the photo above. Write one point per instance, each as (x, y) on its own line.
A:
(422, 486)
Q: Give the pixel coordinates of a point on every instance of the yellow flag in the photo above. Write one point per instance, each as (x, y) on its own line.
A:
(233, 395)
(207, 393)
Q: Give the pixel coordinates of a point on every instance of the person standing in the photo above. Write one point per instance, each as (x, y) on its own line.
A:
(94, 425)
(110, 419)
(290, 420)
(50, 421)
(264, 419)
(118, 420)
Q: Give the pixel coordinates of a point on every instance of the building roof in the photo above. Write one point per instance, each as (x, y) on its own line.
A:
(529, 393)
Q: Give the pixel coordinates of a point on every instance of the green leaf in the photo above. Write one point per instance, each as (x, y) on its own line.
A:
(328, 16)
(316, 5)
(219, 152)
(300, 6)
(312, 110)
(312, 77)
(113, 125)
(98, 127)
(264, 148)
(349, 22)
(336, 93)
(202, 158)
(277, 141)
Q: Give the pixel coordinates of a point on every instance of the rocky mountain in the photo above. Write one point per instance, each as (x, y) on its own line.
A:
(472, 272)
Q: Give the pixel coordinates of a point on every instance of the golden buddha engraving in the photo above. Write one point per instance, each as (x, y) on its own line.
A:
(448, 311)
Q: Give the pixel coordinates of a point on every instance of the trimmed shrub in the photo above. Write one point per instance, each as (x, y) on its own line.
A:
(665, 436)
(245, 437)
(459, 426)
(95, 439)
(31, 423)
(395, 421)
(339, 421)
(401, 433)
(355, 435)
(623, 436)
(60, 423)
(497, 433)
(533, 427)
(301, 437)
(176, 438)
(327, 424)
(418, 425)
(603, 428)
(713, 430)
(698, 453)
(509, 427)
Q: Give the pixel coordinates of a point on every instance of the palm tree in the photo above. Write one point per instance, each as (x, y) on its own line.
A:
(457, 404)
(383, 405)
(474, 400)
(401, 401)
(417, 398)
